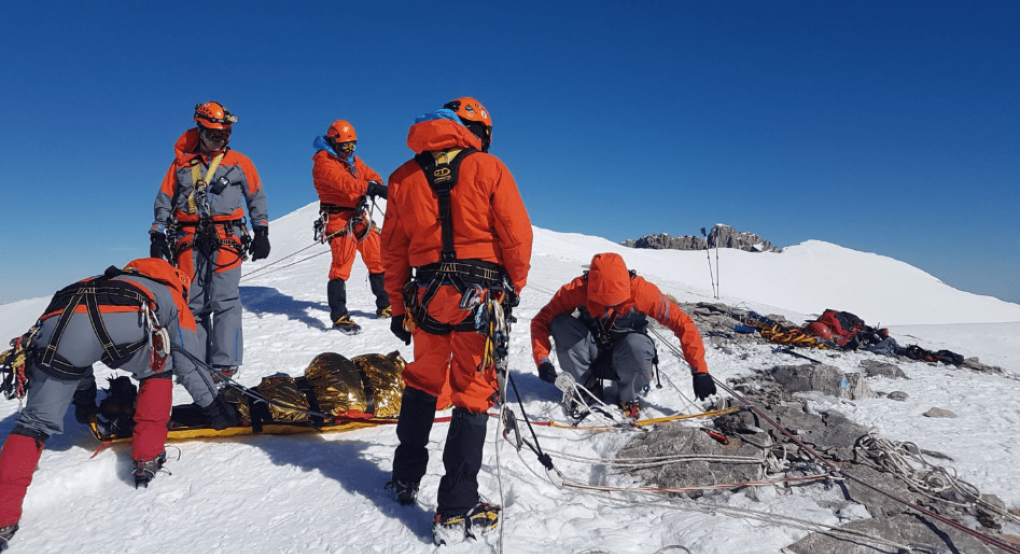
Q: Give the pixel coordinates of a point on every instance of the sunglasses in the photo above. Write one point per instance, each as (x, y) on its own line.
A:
(216, 135)
(348, 146)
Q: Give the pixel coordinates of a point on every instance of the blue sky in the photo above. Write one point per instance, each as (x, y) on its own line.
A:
(887, 127)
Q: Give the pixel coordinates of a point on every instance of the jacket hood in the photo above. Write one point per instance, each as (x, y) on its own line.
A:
(158, 269)
(320, 144)
(440, 134)
(608, 280)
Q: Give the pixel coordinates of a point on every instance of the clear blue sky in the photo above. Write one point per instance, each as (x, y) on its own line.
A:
(888, 127)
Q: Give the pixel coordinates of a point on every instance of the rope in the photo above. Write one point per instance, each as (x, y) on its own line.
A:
(905, 461)
(836, 472)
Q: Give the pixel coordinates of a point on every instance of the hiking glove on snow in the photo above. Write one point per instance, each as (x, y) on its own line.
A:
(547, 372)
(260, 244)
(159, 247)
(704, 386)
(375, 188)
(397, 328)
(221, 414)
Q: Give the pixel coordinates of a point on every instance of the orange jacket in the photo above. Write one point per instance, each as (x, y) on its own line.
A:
(239, 185)
(490, 222)
(640, 296)
(341, 183)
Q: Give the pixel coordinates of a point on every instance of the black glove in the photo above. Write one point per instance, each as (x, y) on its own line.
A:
(375, 188)
(397, 328)
(260, 244)
(704, 386)
(221, 414)
(84, 401)
(158, 248)
(547, 372)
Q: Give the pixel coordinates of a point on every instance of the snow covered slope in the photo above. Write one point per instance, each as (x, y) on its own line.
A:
(324, 493)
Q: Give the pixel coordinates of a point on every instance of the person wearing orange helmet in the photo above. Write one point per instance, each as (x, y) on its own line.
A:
(455, 230)
(134, 319)
(607, 338)
(200, 226)
(343, 182)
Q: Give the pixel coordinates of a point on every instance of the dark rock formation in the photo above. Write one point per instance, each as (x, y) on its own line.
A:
(722, 236)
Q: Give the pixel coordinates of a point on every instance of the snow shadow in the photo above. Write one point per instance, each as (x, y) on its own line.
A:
(267, 300)
(356, 469)
(75, 434)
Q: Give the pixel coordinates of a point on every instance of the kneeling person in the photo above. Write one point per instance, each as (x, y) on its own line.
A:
(608, 339)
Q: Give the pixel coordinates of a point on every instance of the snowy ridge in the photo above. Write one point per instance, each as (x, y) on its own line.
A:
(324, 493)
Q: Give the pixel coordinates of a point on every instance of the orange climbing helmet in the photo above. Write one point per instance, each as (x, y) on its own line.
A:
(212, 115)
(341, 136)
(474, 116)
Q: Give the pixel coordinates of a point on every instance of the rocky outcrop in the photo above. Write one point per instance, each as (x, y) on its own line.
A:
(722, 236)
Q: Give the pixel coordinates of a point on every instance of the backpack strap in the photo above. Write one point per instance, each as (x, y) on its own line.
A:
(442, 178)
(199, 183)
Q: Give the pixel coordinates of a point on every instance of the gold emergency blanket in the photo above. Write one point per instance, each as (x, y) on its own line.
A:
(281, 389)
(367, 385)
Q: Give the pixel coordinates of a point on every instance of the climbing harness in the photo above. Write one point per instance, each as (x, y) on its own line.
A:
(209, 236)
(102, 291)
(485, 287)
(198, 201)
(358, 226)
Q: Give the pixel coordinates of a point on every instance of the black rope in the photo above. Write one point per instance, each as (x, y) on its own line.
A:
(542, 457)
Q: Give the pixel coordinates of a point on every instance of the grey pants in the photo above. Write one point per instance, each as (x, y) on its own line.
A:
(632, 355)
(215, 301)
(48, 399)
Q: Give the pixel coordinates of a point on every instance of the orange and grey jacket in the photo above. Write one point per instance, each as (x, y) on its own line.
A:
(340, 184)
(641, 297)
(490, 222)
(234, 185)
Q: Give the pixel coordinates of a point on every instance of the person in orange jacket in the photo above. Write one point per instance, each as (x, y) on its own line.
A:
(455, 227)
(607, 339)
(199, 211)
(134, 319)
(343, 180)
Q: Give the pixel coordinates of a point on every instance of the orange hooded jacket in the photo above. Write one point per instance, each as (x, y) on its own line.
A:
(337, 185)
(609, 286)
(490, 222)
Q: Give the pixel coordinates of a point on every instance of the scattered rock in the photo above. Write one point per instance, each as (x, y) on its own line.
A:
(898, 396)
(822, 378)
(902, 529)
(873, 368)
(939, 412)
(678, 440)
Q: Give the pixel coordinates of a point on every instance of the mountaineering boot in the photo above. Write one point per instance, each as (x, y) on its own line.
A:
(462, 459)
(411, 459)
(336, 296)
(631, 409)
(382, 299)
(18, 459)
(480, 519)
(224, 372)
(405, 491)
(145, 470)
(5, 536)
(346, 325)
